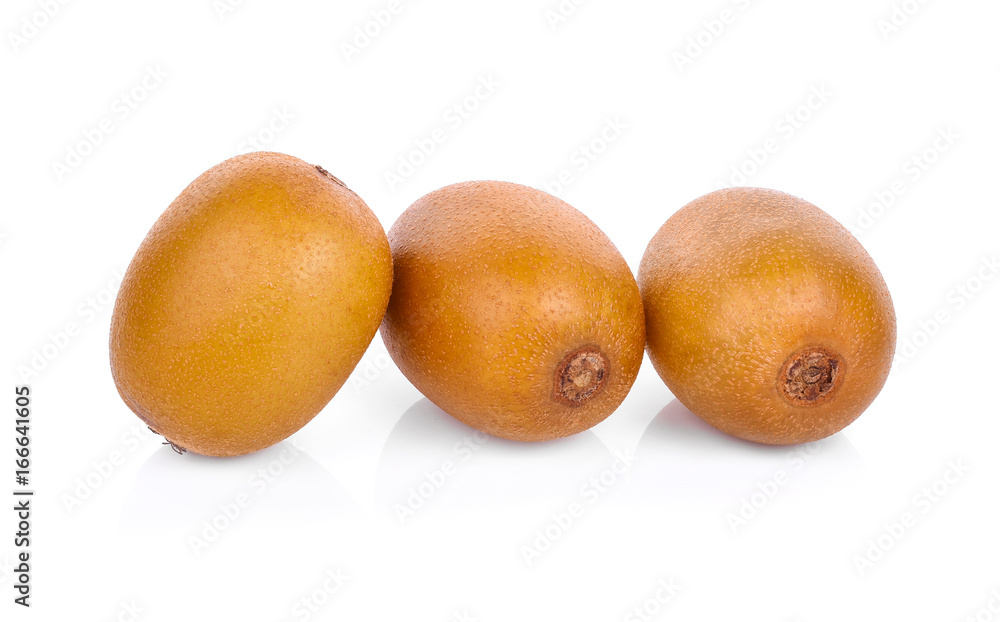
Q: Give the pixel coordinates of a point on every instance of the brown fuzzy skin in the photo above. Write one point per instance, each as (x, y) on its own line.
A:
(501, 292)
(740, 281)
(248, 304)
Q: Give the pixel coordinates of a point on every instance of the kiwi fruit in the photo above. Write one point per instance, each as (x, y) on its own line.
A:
(765, 316)
(512, 311)
(248, 304)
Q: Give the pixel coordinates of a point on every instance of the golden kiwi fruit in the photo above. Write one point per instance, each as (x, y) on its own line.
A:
(512, 311)
(248, 304)
(765, 316)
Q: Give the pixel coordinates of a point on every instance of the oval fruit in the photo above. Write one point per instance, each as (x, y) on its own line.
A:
(512, 311)
(765, 316)
(248, 304)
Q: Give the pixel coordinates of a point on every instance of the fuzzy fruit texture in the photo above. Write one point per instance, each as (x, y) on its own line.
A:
(512, 311)
(248, 304)
(765, 316)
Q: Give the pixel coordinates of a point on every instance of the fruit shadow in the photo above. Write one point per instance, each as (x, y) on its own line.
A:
(278, 485)
(433, 463)
(682, 457)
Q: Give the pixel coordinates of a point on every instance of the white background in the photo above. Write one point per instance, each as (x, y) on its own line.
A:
(111, 538)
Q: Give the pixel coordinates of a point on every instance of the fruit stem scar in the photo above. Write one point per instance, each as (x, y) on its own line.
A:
(811, 376)
(582, 374)
(326, 173)
(177, 448)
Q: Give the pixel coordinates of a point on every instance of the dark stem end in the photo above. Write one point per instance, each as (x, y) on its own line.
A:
(811, 376)
(581, 375)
